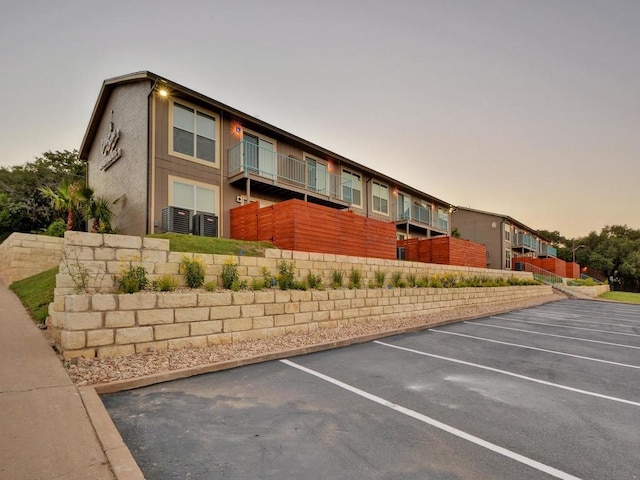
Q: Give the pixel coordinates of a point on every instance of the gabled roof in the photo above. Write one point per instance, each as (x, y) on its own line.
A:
(509, 219)
(153, 79)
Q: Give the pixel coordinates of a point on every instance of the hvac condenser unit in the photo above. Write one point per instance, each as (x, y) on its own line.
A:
(176, 219)
(205, 224)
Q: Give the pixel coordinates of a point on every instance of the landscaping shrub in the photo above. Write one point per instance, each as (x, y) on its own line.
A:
(355, 278)
(166, 283)
(229, 273)
(194, 271)
(132, 280)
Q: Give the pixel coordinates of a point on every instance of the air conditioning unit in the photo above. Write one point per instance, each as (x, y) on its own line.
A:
(176, 219)
(205, 224)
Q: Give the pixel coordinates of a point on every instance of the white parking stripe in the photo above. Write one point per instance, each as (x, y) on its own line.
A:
(578, 339)
(442, 426)
(511, 374)
(567, 326)
(563, 319)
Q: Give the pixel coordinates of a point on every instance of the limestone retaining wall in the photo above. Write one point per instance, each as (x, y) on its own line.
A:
(591, 291)
(23, 255)
(105, 325)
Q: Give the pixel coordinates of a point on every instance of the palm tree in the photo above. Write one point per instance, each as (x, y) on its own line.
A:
(98, 210)
(66, 198)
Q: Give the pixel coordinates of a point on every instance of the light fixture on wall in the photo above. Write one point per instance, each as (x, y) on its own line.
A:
(236, 129)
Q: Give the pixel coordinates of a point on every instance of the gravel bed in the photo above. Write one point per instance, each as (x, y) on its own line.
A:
(85, 371)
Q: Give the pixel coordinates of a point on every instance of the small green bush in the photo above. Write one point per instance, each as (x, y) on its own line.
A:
(194, 271)
(285, 278)
(166, 283)
(229, 273)
(337, 279)
(355, 278)
(380, 277)
(314, 281)
(412, 280)
(257, 284)
(56, 228)
(422, 282)
(238, 285)
(132, 280)
(268, 279)
(210, 286)
(396, 279)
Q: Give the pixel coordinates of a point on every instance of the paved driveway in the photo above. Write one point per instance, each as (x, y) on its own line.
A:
(547, 392)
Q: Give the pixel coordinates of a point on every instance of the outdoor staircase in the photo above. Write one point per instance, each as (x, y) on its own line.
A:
(556, 281)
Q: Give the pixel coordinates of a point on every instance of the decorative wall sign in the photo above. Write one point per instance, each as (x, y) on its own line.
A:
(109, 147)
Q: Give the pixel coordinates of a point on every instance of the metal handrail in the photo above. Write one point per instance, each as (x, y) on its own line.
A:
(423, 216)
(543, 276)
(249, 159)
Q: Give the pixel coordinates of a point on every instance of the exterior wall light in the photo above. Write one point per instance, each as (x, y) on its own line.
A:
(163, 92)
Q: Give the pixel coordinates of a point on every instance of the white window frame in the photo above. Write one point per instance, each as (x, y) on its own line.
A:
(194, 184)
(217, 139)
(507, 232)
(352, 173)
(507, 259)
(265, 173)
(325, 190)
(380, 185)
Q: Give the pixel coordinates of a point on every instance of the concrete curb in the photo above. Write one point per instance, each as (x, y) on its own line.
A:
(122, 462)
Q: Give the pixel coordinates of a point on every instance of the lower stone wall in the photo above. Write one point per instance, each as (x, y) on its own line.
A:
(23, 255)
(107, 325)
(591, 291)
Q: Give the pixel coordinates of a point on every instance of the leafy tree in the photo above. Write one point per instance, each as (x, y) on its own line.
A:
(23, 208)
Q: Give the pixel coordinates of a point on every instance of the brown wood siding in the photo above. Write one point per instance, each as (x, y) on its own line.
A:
(553, 265)
(445, 251)
(298, 225)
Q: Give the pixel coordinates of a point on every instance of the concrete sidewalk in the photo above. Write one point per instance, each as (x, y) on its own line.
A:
(45, 430)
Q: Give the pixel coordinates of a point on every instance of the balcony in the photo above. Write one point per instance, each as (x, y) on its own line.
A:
(417, 217)
(287, 177)
(547, 250)
(524, 242)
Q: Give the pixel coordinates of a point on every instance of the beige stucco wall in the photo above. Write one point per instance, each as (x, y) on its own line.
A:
(128, 175)
(23, 255)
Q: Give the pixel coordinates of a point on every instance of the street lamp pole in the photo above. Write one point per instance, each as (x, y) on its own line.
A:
(573, 249)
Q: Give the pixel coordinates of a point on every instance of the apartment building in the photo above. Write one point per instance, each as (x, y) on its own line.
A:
(180, 161)
(504, 237)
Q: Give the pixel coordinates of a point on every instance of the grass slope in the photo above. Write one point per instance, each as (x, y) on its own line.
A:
(36, 293)
(220, 246)
(627, 297)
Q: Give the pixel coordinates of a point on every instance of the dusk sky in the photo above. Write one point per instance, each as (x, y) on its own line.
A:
(525, 108)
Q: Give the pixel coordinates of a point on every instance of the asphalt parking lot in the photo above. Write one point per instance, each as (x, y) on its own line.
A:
(546, 392)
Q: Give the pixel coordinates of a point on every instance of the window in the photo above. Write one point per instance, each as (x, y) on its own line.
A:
(507, 232)
(195, 196)
(193, 134)
(317, 175)
(352, 187)
(259, 155)
(443, 218)
(404, 207)
(507, 259)
(380, 198)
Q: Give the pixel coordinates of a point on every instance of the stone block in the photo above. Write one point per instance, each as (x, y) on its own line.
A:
(243, 298)
(122, 241)
(72, 340)
(97, 338)
(303, 317)
(219, 339)
(82, 320)
(166, 268)
(77, 303)
(134, 335)
(154, 317)
(175, 330)
(282, 320)
(154, 256)
(214, 299)
(224, 312)
(137, 301)
(321, 316)
(116, 351)
(283, 296)
(187, 342)
(302, 328)
(319, 295)
(263, 322)
(336, 294)
(155, 244)
(252, 310)
(309, 306)
(237, 324)
(128, 255)
(291, 308)
(265, 296)
(119, 319)
(196, 314)
(276, 332)
(83, 238)
(273, 309)
(73, 254)
(328, 324)
(300, 296)
(103, 302)
(177, 257)
(206, 328)
(177, 300)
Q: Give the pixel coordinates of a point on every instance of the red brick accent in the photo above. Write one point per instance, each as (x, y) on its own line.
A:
(445, 251)
(307, 227)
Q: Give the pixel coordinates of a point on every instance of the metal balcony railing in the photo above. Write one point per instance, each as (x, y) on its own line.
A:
(249, 159)
(423, 216)
(547, 250)
(523, 240)
(543, 276)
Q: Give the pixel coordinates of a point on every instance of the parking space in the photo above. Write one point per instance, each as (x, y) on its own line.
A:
(547, 392)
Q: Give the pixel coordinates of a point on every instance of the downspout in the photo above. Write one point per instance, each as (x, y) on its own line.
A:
(222, 178)
(151, 163)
